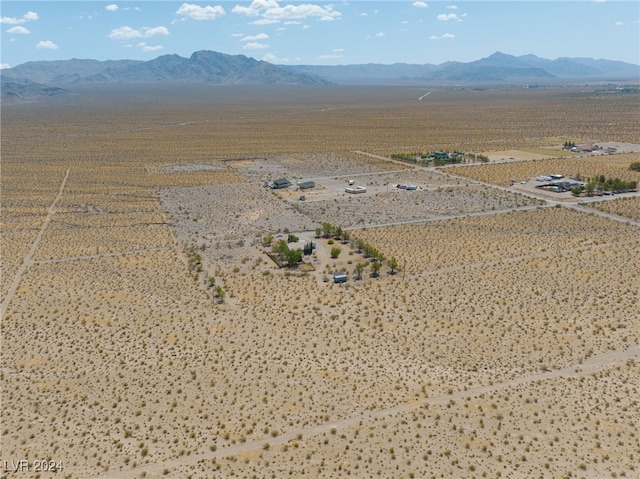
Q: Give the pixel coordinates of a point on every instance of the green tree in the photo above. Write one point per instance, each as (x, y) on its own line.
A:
(590, 188)
(375, 268)
(280, 248)
(335, 252)
(318, 232)
(359, 268)
(635, 166)
(393, 264)
(293, 256)
(267, 240)
(327, 229)
(618, 185)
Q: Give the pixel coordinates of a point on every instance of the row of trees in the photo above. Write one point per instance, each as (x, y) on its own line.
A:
(291, 257)
(377, 259)
(439, 158)
(601, 184)
(327, 230)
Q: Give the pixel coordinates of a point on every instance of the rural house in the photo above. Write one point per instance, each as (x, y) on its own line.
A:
(281, 183)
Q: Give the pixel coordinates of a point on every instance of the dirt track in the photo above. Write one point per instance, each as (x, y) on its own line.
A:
(585, 368)
(28, 259)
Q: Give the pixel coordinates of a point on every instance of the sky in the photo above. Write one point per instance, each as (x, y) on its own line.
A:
(318, 32)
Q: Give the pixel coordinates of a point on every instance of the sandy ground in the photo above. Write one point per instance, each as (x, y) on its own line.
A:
(453, 365)
(147, 333)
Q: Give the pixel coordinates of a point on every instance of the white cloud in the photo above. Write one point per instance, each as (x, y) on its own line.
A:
(46, 45)
(27, 17)
(329, 57)
(420, 4)
(446, 17)
(452, 7)
(271, 58)
(127, 33)
(196, 12)
(30, 17)
(155, 31)
(4, 65)
(111, 8)
(124, 33)
(18, 30)
(150, 48)
(264, 21)
(251, 38)
(618, 24)
(256, 7)
(255, 46)
(381, 34)
(446, 36)
(271, 11)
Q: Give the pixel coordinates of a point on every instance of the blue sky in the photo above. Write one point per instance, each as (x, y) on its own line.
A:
(319, 33)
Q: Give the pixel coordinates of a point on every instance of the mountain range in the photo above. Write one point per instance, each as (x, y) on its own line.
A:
(499, 68)
(31, 80)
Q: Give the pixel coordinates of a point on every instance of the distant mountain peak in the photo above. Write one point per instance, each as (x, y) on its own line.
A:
(203, 66)
(206, 66)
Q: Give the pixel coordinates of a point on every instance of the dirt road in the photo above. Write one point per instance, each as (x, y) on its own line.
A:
(28, 259)
(588, 367)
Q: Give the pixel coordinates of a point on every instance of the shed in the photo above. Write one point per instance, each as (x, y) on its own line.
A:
(306, 185)
(339, 277)
(281, 183)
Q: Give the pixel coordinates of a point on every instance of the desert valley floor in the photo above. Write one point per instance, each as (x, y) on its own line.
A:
(148, 331)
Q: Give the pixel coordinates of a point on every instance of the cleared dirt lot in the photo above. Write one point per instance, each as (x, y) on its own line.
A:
(507, 341)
